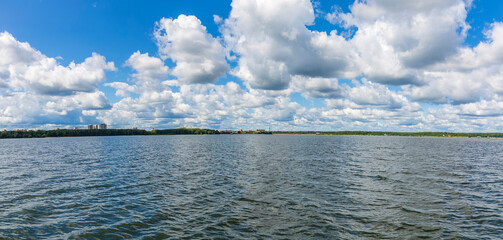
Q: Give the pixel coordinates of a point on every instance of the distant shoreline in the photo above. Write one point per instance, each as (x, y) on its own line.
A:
(395, 134)
(198, 131)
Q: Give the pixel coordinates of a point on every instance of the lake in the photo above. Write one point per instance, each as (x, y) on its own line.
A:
(251, 186)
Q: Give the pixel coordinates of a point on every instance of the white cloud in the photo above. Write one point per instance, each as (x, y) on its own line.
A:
(217, 19)
(396, 39)
(398, 55)
(37, 88)
(469, 76)
(273, 43)
(198, 56)
(156, 104)
(22, 67)
(416, 45)
(149, 76)
(14, 52)
(19, 108)
(317, 87)
(149, 70)
(482, 108)
(84, 101)
(372, 94)
(48, 77)
(122, 89)
(481, 116)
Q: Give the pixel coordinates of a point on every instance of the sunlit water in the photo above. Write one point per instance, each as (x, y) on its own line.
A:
(251, 186)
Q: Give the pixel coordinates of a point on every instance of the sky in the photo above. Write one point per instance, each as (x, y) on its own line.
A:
(374, 65)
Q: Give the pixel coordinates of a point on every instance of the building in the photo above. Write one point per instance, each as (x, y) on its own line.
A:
(97, 126)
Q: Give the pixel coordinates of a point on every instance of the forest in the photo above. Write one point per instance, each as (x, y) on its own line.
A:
(100, 132)
(199, 131)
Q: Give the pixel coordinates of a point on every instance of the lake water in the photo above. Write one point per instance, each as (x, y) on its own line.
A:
(251, 186)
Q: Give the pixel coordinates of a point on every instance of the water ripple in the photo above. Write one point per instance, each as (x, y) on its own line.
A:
(251, 187)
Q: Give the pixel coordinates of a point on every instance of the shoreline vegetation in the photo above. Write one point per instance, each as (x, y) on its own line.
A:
(198, 131)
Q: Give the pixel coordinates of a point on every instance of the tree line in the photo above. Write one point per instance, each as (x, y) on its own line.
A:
(198, 131)
(100, 132)
(381, 133)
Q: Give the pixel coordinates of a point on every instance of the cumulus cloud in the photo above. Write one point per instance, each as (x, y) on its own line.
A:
(149, 70)
(217, 19)
(23, 67)
(414, 45)
(122, 89)
(393, 43)
(395, 65)
(317, 87)
(155, 103)
(482, 108)
(26, 108)
(15, 52)
(199, 57)
(19, 108)
(36, 85)
(48, 77)
(371, 94)
(395, 39)
(468, 76)
(273, 43)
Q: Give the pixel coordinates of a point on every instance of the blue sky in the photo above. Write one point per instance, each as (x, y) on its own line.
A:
(116, 28)
(289, 64)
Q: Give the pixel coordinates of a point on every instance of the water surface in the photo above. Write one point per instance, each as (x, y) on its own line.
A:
(251, 186)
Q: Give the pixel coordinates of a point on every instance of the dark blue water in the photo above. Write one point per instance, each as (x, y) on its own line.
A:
(251, 186)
